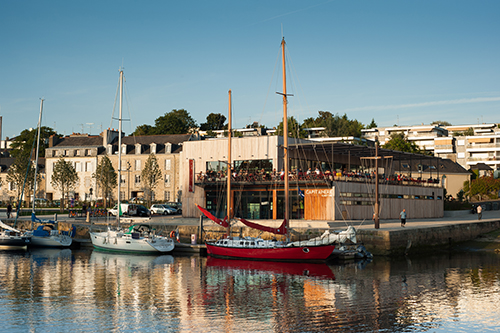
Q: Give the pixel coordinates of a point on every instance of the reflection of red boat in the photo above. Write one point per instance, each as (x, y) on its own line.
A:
(286, 268)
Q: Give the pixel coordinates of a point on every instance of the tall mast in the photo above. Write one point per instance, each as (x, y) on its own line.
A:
(36, 157)
(120, 147)
(229, 196)
(285, 139)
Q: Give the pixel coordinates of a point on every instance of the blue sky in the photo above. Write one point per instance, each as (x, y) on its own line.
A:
(399, 62)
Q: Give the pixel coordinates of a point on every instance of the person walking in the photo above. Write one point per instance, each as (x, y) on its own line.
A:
(479, 212)
(9, 210)
(403, 217)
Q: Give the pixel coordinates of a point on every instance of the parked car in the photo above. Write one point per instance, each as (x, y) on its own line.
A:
(41, 202)
(176, 205)
(170, 210)
(140, 211)
(162, 209)
(137, 200)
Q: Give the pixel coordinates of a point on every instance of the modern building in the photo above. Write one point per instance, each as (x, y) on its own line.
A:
(341, 184)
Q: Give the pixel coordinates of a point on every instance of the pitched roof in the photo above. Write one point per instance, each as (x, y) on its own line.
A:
(79, 141)
(149, 139)
(445, 166)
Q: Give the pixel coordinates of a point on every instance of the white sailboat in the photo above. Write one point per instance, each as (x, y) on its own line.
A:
(11, 237)
(47, 233)
(140, 238)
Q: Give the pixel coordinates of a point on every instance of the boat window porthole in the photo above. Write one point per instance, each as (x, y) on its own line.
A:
(306, 250)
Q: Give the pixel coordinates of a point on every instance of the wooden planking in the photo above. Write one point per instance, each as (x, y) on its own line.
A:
(318, 204)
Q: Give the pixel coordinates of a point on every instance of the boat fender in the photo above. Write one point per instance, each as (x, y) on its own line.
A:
(172, 234)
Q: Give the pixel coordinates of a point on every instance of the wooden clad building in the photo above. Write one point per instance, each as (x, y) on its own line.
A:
(328, 181)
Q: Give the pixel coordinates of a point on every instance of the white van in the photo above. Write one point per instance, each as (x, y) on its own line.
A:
(127, 209)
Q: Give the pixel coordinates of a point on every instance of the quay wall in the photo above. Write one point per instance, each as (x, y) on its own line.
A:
(422, 240)
(393, 241)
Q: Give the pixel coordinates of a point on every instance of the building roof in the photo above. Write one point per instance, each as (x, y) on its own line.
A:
(78, 141)
(358, 151)
(159, 139)
(81, 141)
(443, 166)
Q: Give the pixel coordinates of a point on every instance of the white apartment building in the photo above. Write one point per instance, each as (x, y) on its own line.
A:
(453, 142)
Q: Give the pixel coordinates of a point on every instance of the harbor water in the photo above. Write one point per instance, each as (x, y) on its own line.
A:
(90, 291)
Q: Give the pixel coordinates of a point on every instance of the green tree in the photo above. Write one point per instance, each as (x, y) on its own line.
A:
(399, 142)
(23, 143)
(106, 178)
(21, 171)
(373, 124)
(482, 187)
(294, 129)
(334, 125)
(215, 121)
(441, 122)
(468, 132)
(151, 176)
(144, 130)
(64, 178)
(173, 122)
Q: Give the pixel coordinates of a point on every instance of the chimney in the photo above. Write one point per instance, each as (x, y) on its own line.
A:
(53, 140)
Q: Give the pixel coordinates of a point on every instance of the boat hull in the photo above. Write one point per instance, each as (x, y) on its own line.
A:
(300, 253)
(14, 241)
(117, 242)
(51, 241)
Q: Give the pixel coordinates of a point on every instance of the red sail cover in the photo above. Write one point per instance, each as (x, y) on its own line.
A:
(281, 230)
(213, 218)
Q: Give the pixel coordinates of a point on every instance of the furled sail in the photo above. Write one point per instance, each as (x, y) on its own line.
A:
(213, 218)
(281, 230)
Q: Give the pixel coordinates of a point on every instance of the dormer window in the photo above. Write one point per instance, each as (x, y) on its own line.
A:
(168, 148)
(124, 149)
(109, 150)
(138, 149)
(153, 148)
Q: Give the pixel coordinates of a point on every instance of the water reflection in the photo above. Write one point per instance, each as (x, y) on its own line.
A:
(63, 290)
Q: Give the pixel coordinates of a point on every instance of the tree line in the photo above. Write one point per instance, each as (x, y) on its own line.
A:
(178, 121)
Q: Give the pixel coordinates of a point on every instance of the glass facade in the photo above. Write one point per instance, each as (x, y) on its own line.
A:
(255, 204)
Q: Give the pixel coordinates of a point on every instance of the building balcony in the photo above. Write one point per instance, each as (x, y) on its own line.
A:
(483, 146)
(314, 179)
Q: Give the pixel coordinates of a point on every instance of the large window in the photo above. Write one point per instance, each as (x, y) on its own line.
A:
(254, 165)
(255, 204)
(247, 165)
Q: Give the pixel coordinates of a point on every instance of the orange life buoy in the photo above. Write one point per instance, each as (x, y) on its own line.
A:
(172, 234)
